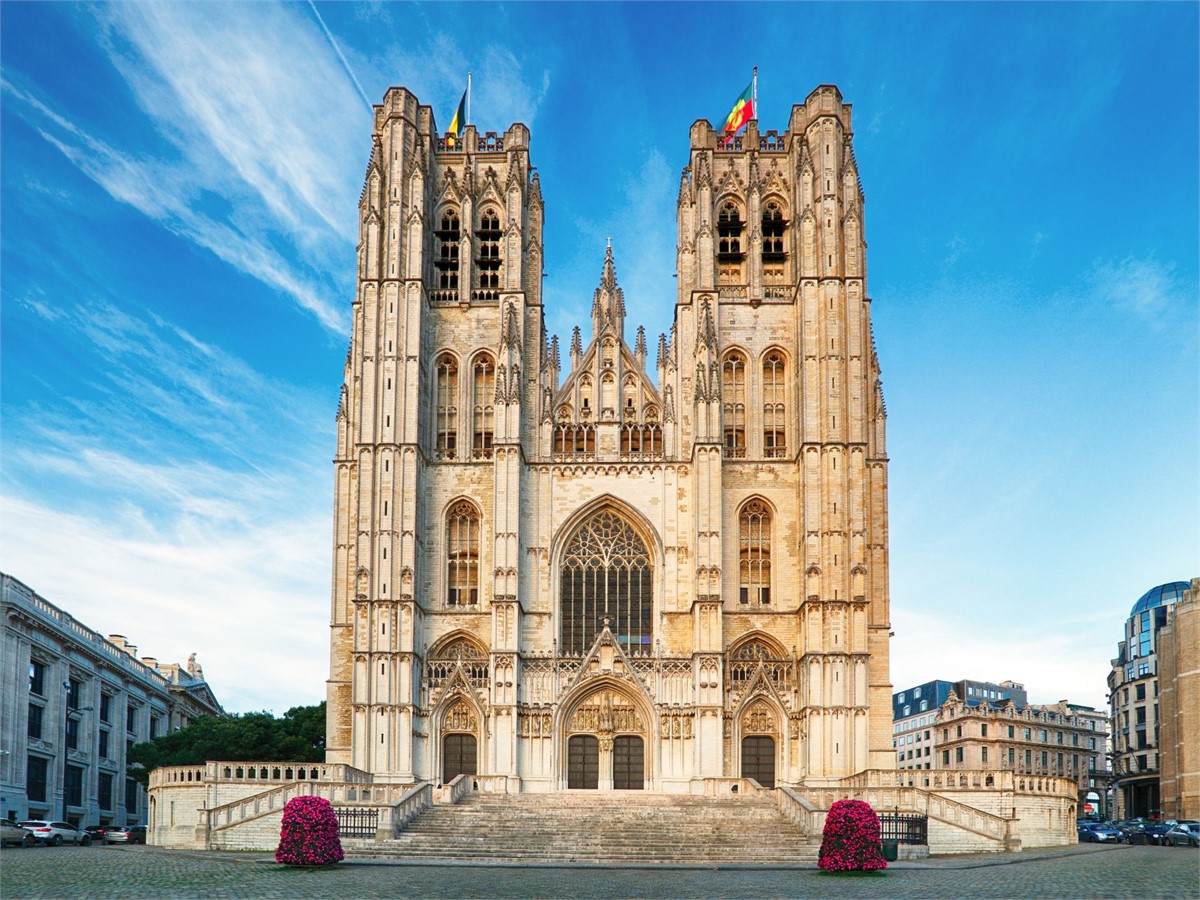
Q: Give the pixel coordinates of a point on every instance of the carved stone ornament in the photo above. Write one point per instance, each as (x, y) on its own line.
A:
(459, 717)
(758, 720)
(606, 712)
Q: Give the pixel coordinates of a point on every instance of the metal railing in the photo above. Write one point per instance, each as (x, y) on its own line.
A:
(903, 828)
(357, 822)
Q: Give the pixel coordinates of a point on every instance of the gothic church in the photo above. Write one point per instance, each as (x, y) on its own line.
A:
(611, 576)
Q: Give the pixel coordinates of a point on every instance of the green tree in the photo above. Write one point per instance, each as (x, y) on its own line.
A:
(297, 736)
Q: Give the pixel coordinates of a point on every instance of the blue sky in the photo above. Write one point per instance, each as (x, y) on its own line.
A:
(177, 212)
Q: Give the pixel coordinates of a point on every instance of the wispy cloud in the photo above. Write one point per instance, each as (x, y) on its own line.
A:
(258, 157)
(1146, 287)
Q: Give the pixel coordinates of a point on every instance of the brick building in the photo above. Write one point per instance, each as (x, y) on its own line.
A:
(1179, 707)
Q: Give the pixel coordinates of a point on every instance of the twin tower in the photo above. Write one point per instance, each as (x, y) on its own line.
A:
(618, 567)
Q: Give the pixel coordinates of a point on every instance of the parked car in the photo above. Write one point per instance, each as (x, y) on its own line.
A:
(12, 833)
(1184, 834)
(1099, 832)
(1154, 831)
(126, 834)
(96, 832)
(56, 833)
(1131, 827)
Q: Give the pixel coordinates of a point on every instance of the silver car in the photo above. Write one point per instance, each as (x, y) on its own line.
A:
(12, 833)
(56, 833)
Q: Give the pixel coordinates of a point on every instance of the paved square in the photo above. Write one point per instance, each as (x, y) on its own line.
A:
(147, 872)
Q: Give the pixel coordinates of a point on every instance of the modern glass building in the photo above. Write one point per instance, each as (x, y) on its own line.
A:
(1133, 702)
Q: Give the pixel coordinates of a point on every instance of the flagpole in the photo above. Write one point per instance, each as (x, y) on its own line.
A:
(468, 98)
(756, 92)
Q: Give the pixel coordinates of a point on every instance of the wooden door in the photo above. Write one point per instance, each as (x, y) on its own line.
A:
(629, 766)
(583, 762)
(758, 759)
(458, 756)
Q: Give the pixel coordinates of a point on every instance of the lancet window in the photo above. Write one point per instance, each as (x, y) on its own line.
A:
(447, 407)
(606, 574)
(462, 555)
(733, 392)
(774, 406)
(489, 262)
(458, 652)
(641, 439)
(729, 233)
(484, 396)
(754, 543)
(773, 225)
(448, 235)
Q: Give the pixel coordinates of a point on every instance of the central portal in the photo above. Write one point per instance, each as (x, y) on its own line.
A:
(606, 744)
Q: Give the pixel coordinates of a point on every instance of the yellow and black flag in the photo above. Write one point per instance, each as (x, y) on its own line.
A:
(459, 122)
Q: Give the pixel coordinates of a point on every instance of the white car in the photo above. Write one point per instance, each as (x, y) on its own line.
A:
(56, 833)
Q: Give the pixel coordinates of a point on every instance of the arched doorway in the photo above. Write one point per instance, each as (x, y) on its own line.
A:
(459, 756)
(758, 759)
(606, 740)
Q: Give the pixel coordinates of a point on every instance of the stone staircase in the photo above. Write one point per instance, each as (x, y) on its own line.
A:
(615, 828)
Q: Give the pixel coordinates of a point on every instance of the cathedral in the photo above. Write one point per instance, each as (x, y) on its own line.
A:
(623, 564)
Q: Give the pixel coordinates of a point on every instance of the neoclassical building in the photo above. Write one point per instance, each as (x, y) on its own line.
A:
(639, 566)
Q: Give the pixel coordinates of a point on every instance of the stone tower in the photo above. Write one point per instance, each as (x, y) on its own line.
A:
(601, 579)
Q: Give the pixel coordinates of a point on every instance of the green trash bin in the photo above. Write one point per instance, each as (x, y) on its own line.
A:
(890, 849)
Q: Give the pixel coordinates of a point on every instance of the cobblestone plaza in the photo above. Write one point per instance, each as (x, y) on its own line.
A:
(146, 872)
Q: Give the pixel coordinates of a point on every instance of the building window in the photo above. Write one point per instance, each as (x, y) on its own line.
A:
(104, 791)
(462, 555)
(155, 726)
(35, 778)
(102, 744)
(37, 678)
(1139, 692)
(774, 387)
(131, 797)
(1143, 670)
(1012, 756)
(754, 537)
(485, 395)
(73, 785)
(924, 705)
(945, 757)
(35, 721)
(1028, 758)
(773, 225)
(131, 719)
(74, 694)
(447, 407)
(72, 733)
(489, 261)
(729, 233)
(1028, 734)
(958, 731)
(983, 730)
(958, 754)
(606, 574)
(1011, 732)
(105, 708)
(1045, 761)
(733, 391)
(983, 754)
(448, 236)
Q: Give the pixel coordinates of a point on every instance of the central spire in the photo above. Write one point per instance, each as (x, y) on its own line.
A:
(608, 304)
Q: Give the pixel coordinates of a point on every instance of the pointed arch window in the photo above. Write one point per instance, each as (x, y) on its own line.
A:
(606, 574)
(773, 227)
(447, 407)
(774, 406)
(448, 234)
(729, 232)
(462, 555)
(489, 262)
(484, 392)
(754, 545)
(733, 393)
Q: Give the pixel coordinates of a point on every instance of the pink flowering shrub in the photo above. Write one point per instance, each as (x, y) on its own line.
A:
(850, 841)
(309, 836)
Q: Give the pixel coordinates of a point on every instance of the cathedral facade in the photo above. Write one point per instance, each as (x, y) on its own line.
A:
(632, 565)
